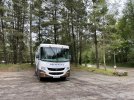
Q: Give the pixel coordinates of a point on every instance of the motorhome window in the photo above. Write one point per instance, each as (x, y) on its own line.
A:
(54, 54)
(43, 55)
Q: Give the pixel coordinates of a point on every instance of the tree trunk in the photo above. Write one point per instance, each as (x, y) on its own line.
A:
(96, 49)
(21, 42)
(55, 19)
(4, 44)
(80, 57)
(104, 53)
(114, 58)
(14, 50)
(95, 38)
(39, 27)
(74, 43)
(55, 34)
(31, 49)
(104, 49)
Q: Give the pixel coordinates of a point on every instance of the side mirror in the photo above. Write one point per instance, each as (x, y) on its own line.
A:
(70, 57)
(37, 55)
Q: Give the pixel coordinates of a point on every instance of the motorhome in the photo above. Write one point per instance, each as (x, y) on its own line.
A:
(52, 60)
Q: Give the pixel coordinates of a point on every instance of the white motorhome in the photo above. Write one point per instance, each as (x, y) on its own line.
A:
(52, 60)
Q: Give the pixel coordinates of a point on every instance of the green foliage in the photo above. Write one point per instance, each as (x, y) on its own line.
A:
(126, 24)
(116, 41)
(131, 57)
(88, 56)
(65, 21)
(125, 29)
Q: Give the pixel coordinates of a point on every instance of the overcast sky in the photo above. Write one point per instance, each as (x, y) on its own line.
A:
(117, 5)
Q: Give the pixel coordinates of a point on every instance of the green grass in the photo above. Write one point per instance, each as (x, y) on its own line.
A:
(94, 70)
(15, 67)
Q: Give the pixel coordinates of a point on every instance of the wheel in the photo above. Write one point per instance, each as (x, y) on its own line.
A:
(64, 78)
(35, 73)
(38, 76)
(40, 79)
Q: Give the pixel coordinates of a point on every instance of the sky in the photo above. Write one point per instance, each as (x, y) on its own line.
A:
(117, 5)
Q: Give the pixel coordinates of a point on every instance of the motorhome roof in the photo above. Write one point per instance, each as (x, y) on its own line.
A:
(54, 45)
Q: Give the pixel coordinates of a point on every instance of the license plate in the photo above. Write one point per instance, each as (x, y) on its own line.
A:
(56, 76)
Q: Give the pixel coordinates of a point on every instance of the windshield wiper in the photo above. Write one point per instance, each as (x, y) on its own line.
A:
(47, 60)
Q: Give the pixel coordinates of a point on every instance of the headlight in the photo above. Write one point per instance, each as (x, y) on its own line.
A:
(43, 68)
(68, 68)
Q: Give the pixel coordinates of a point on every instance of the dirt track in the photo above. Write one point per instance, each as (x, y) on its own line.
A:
(82, 85)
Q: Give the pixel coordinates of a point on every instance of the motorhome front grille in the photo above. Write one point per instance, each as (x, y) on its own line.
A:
(59, 73)
(56, 69)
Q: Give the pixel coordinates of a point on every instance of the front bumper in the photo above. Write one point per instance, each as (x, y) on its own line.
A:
(43, 74)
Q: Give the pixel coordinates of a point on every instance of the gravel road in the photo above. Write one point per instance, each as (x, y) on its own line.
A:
(81, 85)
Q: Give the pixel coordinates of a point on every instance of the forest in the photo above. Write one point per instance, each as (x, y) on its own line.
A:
(95, 32)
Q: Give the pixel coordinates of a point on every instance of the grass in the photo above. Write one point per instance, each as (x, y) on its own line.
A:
(127, 65)
(26, 67)
(94, 70)
(15, 67)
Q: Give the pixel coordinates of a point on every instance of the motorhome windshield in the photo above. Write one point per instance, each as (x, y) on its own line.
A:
(54, 54)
